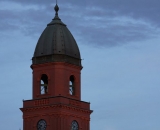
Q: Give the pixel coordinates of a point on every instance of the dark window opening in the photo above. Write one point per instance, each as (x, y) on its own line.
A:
(74, 125)
(44, 84)
(71, 85)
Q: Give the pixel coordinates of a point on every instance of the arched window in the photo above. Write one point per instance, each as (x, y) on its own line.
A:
(44, 84)
(74, 125)
(71, 85)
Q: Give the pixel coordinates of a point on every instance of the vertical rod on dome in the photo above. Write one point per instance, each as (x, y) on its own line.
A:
(56, 8)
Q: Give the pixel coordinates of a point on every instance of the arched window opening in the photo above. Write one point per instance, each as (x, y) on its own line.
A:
(44, 84)
(74, 125)
(71, 85)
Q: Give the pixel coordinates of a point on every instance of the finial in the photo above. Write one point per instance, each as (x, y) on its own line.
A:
(56, 8)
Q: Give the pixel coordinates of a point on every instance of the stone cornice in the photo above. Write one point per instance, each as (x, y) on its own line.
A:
(60, 106)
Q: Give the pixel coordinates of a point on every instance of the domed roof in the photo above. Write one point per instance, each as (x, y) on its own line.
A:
(56, 44)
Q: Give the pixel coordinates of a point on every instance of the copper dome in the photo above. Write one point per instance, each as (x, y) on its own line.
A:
(56, 44)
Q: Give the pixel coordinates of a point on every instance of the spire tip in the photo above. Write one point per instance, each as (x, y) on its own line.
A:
(56, 8)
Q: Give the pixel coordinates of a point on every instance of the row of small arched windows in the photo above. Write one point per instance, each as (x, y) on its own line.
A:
(44, 84)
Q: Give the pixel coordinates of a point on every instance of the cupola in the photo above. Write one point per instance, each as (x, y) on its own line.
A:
(56, 44)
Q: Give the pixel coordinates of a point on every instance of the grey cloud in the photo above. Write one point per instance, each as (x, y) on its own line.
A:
(97, 21)
(28, 22)
(7, 20)
(109, 31)
(141, 9)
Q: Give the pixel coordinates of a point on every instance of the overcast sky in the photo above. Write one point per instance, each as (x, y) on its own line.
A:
(119, 41)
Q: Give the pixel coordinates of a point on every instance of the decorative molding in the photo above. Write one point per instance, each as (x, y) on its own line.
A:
(60, 106)
(41, 102)
(56, 63)
(56, 58)
(74, 103)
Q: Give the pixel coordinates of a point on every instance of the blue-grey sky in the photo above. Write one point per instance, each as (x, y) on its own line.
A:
(119, 41)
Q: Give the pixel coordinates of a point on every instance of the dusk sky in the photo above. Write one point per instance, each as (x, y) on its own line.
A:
(119, 41)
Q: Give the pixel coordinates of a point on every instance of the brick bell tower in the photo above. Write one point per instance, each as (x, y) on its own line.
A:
(56, 103)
